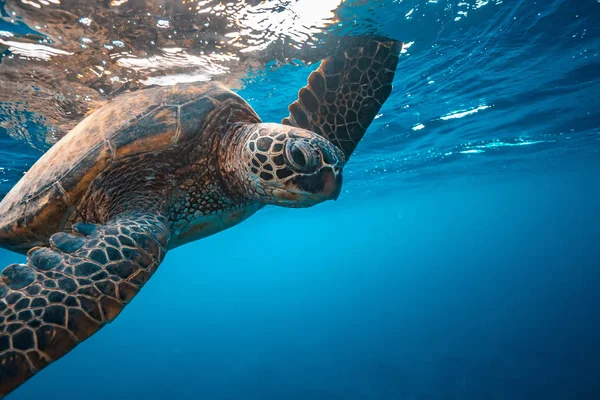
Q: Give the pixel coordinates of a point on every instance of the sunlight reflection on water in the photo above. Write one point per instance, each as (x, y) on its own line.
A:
(476, 80)
(79, 54)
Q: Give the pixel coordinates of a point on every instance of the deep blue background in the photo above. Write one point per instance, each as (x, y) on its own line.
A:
(462, 260)
(473, 290)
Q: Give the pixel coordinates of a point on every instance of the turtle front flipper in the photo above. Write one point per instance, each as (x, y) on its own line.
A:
(346, 92)
(68, 291)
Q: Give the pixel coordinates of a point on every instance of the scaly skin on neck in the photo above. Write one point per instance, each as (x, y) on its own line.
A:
(229, 156)
(202, 203)
(188, 178)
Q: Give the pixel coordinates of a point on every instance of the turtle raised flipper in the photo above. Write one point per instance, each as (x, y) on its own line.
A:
(346, 92)
(68, 291)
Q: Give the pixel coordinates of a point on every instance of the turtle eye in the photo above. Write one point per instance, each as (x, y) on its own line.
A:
(302, 157)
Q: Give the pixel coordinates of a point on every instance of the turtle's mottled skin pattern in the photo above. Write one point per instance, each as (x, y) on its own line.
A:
(153, 170)
(263, 167)
(201, 203)
(66, 293)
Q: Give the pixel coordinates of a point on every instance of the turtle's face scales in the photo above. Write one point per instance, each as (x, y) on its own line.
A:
(289, 166)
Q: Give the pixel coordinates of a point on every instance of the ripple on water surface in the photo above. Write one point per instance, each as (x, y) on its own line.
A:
(482, 86)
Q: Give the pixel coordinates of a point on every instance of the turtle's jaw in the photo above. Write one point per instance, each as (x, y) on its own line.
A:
(309, 190)
(325, 183)
(333, 185)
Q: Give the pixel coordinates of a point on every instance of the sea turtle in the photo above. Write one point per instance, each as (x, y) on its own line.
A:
(155, 169)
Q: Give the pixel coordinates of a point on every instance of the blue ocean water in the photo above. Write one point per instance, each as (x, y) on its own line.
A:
(460, 262)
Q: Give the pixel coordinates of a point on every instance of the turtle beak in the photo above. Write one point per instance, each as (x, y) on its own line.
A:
(332, 183)
(321, 186)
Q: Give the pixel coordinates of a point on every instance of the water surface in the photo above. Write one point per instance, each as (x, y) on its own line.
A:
(461, 261)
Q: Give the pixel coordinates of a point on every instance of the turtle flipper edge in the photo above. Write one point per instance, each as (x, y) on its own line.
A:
(346, 92)
(68, 291)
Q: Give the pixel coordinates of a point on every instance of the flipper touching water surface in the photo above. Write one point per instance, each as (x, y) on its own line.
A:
(345, 93)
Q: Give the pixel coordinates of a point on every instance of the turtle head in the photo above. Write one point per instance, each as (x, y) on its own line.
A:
(283, 165)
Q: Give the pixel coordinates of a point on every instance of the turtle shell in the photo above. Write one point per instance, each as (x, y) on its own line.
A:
(149, 120)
